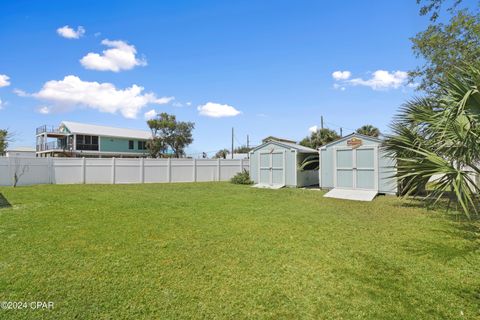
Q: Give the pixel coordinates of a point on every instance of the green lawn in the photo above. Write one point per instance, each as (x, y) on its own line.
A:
(216, 250)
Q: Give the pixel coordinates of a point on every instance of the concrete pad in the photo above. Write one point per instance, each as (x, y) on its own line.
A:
(268, 186)
(351, 194)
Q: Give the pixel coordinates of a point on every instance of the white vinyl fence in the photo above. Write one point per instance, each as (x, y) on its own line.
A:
(116, 170)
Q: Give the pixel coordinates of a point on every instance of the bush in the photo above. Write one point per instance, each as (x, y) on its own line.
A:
(241, 178)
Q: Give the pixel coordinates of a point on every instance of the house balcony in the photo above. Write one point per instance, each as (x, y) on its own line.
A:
(51, 131)
(53, 146)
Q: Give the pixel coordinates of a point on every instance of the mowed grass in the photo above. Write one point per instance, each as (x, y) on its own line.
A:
(216, 250)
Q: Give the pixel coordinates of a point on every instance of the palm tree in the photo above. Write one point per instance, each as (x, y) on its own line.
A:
(369, 130)
(439, 136)
(315, 141)
(319, 138)
(222, 154)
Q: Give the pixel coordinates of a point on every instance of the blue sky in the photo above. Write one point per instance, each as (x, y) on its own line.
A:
(263, 67)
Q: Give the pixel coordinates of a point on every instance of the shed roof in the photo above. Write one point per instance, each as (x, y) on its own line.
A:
(349, 136)
(299, 148)
(90, 129)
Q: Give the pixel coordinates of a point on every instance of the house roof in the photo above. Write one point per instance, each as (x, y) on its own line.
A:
(299, 148)
(353, 134)
(90, 129)
(21, 149)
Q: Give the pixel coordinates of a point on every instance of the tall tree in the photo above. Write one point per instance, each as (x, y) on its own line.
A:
(4, 139)
(167, 132)
(443, 46)
(242, 149)
(319, 138)
(369, 130)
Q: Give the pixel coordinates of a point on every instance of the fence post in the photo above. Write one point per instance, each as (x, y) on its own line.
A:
(142, 171)
(10, 176)
(169, 169)
(50, 170)
(218, 169)
(194, 170)
(241, 165)
(84, 169)
(113, 170)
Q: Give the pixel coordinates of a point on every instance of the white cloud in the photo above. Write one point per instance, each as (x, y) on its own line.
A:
(20, 92)
(150, 114)
(4, 80)
(105, 97)
(341, 75)
(164, 100)
(71, 33)
(1, 104)
(217, 110)
(43, 110)
(179, 104)
(120, 56)
(313, 129)
(382, 79)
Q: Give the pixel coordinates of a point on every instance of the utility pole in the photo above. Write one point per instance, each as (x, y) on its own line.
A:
(321, 126)
(341, 132)
(248, 142)
(232, 142)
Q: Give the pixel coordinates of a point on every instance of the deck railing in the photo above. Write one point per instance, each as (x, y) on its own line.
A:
(48, 129)
(52, 145)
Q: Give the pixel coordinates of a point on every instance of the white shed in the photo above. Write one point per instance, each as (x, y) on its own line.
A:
(275, 164)
(356, 167)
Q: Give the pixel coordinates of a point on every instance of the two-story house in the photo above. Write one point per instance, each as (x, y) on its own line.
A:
(73, 139)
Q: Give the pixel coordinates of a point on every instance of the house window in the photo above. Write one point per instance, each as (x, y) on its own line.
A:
(141, 145)
(88, 143)
(130, 144)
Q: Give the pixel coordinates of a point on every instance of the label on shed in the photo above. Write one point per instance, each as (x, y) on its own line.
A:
(354, 143)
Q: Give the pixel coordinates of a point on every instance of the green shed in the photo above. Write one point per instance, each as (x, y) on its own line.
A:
(356, 166)
(275, 164)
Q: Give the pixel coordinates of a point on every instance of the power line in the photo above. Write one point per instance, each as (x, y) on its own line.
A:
(339, 126)
(239, 143)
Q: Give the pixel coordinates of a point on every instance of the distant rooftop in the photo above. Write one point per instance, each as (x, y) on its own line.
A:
(21, 149)
(270, 138)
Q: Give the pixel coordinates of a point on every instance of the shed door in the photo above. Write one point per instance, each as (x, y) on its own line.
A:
(345, 168)
(365, 169)
(356, 168)
(272, 168)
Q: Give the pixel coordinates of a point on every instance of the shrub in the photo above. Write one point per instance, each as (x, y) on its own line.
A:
(241, 178)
